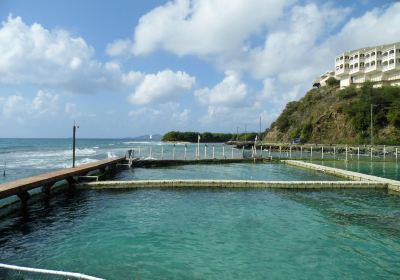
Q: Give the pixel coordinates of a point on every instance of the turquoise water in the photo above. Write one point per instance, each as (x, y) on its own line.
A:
(390, 169)
(203, 234)
(236, 171)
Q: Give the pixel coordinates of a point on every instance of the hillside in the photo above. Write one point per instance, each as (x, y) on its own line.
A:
(329, 115)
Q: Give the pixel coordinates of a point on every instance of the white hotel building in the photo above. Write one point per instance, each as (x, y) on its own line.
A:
(380, 65)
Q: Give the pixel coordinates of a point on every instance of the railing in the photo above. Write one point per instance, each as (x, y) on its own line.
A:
(19, 272)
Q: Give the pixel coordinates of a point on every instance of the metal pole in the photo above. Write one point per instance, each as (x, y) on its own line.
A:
(384, 152)
(290, 152)
(162, 152)
(346, 152)
(213, 152)
(334, 152)
(372, 131)
(205, 151)
(371, 153)
(301, 151)
(269, 152)
(322, 152)
(232, 153)
(396, 153)
(259, 136)
(223, 151)
(173, 153)
(139, 151)
(150, 152)
(280, 151)
(311, 153)
(261, 151)
(358, 153)
(185, 150)
(73, 145)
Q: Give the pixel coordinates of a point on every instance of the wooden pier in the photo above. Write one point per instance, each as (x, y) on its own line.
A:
(45, 181)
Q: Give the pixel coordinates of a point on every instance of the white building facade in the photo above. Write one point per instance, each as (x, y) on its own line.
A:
(380, 65)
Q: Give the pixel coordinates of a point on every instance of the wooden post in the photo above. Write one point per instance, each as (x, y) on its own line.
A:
(24, 196)
(46, 190)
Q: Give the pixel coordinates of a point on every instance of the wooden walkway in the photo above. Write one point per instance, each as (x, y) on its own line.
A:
(46, 181)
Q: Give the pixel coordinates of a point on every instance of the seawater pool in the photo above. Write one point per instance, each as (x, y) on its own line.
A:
(233, 171)
(210, 234)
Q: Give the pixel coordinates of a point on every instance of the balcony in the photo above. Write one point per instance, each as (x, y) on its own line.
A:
(342, 72)
(373, 68)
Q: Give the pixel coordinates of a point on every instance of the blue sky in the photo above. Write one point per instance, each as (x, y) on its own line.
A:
(127, 68)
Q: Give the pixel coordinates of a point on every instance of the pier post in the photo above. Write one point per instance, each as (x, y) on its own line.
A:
(232, 152)
(269, 153)
(213, 154)
(185, 151)
(322, 152)
(173, 153)
(371, 153)
(139, 152)
(223, 151)
(205, 151)
(261, 151)
(346, 152)
(24, 196)
(358, 153)
(311, 153)
(280, 151)
(290, 152)
(162, 152)
(334, 152)
(396, 154)
(71, 182)
(46, 190)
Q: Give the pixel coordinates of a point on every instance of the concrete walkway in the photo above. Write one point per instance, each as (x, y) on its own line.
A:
(351, 175)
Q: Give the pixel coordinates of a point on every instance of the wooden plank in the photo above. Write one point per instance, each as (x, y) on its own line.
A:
(25, 184)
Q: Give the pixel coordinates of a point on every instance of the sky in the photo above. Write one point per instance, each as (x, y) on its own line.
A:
(128, 68)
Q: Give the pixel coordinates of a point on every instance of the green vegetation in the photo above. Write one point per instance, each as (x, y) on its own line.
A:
(329, 115)
(206, 137)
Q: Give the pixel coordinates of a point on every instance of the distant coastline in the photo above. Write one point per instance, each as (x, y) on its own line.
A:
(206, 137)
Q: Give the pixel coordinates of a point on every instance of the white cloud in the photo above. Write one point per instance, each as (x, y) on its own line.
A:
(118, 47)
(163, 86)
(201, 27)
(231, 91)
(51, 58)
(22, 108)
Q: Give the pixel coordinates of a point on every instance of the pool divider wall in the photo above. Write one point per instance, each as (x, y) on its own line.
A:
(144, 184)
(392, 185)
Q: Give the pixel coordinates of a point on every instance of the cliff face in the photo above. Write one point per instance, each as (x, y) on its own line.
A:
(329, 115)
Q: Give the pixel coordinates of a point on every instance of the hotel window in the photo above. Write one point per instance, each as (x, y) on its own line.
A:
(398, 50)
(367, 55)
(379, 53)
(337, 68)
(373, 54)
(356, 56)
(341, 66)
(362, 64)
(385, 53)
(398, 60)
(372, 63)
(346, 57)
(391, 61)
(351, 66)
(351, 58)
(356, 65)
(361, 55)
(379, 62)
(346, 66)
(391, 51)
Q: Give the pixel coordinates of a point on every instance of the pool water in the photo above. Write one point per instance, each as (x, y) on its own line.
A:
(210, 234)
(234, 171)
(389, 169)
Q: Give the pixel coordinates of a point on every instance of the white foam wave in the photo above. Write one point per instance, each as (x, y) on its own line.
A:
(111, 155)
